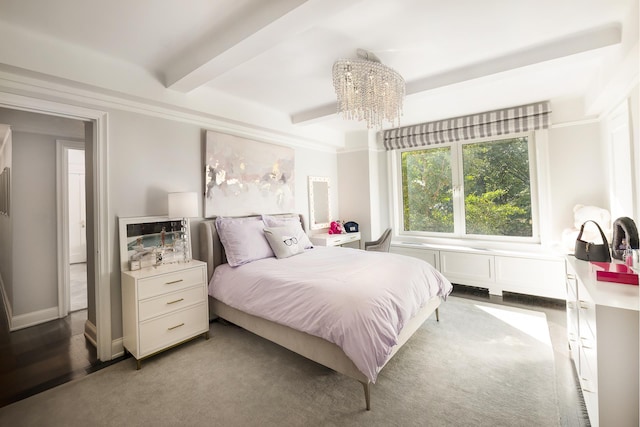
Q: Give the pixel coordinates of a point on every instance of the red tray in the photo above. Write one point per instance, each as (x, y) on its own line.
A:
(615, 272)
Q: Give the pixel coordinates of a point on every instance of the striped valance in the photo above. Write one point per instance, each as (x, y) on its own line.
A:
(491, 123)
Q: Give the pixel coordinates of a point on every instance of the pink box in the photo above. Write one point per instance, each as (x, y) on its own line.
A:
(615, 272)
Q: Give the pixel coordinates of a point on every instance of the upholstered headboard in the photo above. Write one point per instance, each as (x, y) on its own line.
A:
(211, 249)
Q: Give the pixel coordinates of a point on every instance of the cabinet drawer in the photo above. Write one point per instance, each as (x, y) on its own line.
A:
(157, 285)
(587, 316)
(341, 239)
(164, 331)
(173, 301)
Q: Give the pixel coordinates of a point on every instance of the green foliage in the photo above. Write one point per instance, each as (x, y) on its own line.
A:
(427, 195)
(497, 188)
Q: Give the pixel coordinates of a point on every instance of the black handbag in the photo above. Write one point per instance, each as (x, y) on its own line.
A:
(589, 251)
(351, 227)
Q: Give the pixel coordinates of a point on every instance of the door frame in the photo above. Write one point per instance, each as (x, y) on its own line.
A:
(102, 228)
(62, 208)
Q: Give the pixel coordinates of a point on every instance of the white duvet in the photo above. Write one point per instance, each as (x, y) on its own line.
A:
(356, 299)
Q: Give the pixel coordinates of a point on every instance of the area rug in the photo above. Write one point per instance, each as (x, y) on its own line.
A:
(481, 365)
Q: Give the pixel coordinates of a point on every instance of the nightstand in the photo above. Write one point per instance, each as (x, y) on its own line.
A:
(325, 239)
(163, 306)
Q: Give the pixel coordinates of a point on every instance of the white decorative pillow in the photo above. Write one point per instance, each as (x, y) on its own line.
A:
(283, 242)
(293, 222)
(243, 239)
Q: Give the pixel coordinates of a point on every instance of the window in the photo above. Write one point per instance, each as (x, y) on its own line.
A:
(473, 189)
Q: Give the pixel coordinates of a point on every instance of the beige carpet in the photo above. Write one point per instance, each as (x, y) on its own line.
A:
(481, 365)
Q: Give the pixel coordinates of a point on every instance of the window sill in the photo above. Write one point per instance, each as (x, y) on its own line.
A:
(524, 250)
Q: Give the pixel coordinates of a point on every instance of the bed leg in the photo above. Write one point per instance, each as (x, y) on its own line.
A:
(367, 393)
(437, 314)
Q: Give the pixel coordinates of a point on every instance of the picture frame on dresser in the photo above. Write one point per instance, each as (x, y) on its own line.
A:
(151, 240)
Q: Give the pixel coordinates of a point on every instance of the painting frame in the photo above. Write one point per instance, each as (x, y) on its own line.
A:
(146, 231)
(244, 176)
(5, 191)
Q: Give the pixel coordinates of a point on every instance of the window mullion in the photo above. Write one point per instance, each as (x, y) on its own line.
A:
(458, 189)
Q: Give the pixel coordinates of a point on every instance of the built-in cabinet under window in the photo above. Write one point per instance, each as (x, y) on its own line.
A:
(498, 271)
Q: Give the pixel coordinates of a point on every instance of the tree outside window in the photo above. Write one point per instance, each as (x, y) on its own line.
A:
(493, 177)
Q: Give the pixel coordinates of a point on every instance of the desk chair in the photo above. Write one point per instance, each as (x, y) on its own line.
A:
(380, 245)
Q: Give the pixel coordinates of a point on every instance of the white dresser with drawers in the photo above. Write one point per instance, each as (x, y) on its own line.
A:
(163, 306)
(603, 330)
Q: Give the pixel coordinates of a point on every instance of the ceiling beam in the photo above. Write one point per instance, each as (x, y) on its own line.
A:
(572, 44)
(264, 29)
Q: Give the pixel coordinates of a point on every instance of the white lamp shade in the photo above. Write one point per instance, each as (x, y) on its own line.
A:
(183, 205)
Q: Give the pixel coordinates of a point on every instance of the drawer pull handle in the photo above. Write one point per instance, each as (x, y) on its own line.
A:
(586, 343)
(174, 282)
(175, 301)
(584, 305)
(174, 327)
(570, 276)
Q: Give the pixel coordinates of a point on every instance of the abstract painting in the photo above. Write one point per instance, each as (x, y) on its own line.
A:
(244, 177)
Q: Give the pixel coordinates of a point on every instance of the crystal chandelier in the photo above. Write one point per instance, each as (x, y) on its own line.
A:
(368, 90)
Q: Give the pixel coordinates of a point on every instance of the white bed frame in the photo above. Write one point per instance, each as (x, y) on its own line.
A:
(309, 346)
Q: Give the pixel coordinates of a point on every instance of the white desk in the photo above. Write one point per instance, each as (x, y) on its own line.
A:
(325, 239)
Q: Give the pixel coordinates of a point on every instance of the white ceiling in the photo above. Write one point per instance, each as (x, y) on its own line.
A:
(269, 62)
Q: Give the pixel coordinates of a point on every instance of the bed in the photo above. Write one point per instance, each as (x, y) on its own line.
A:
(245, 310)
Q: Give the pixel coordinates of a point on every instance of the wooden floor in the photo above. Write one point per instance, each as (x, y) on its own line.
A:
(41, 357)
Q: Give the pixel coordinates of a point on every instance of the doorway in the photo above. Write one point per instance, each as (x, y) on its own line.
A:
(98, 325)
(72, 220)
(77, 223)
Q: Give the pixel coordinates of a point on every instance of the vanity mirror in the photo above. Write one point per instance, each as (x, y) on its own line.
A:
(319, 205)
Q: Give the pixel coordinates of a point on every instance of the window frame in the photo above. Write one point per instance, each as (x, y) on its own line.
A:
(459, 234)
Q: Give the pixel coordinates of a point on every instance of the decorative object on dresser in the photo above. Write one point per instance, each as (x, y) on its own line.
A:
(625, 237)
(589, 251)
(283, 292)
(185, 206)
(152, 240)
(603, 330)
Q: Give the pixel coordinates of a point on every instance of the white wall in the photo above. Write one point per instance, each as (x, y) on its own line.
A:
(33, 214)
(577, 173)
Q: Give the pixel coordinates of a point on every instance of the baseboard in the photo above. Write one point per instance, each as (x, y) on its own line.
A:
(26, 320)
(5, 301)
(117, 348)
(91, 333)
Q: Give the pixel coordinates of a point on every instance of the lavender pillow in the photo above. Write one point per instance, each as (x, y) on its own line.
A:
(292, 222)
(243, 239)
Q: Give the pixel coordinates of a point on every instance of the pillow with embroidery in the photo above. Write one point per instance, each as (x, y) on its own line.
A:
(293, 222)
(283, 241)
